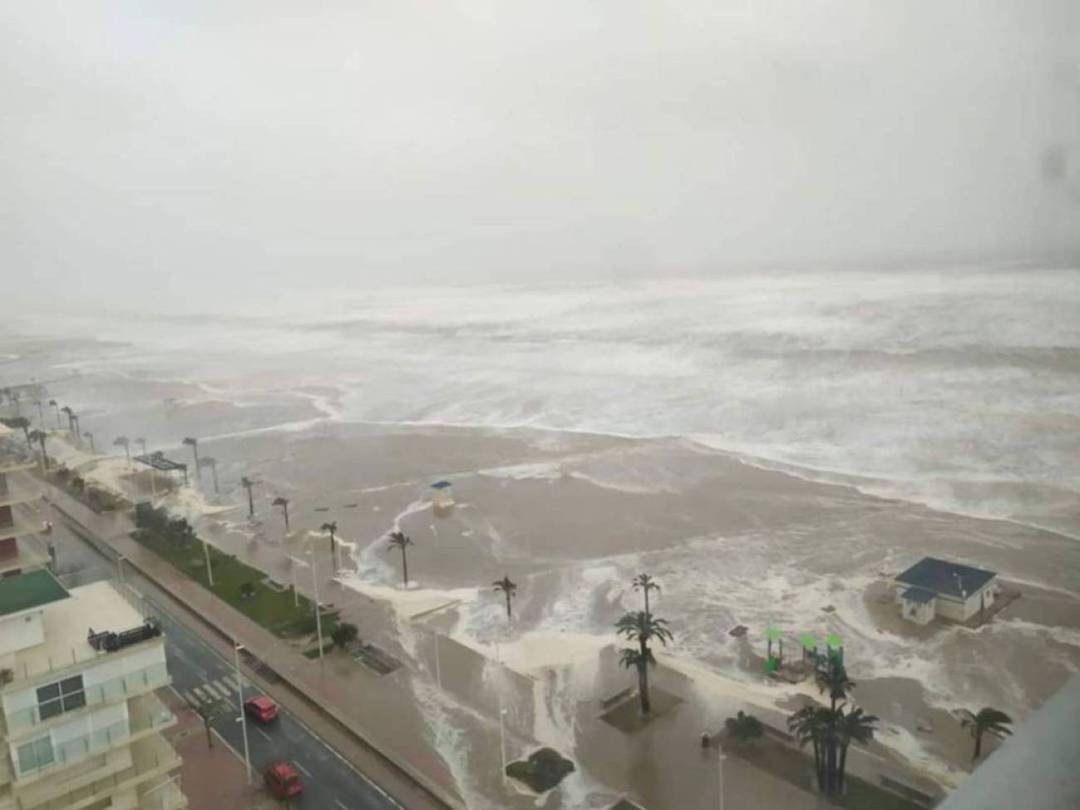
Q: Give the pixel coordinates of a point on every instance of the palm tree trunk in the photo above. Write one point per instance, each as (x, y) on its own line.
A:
(209, 736)
(44, 455)
(643, 678)
(285, 510)
(978, 746)
(840, 770)
(251, 504)
(29, 444)
(404, 567)
(819, 765)
(508, 617)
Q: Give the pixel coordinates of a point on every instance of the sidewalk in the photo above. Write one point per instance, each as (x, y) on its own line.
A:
(365, 718)
(210, 777)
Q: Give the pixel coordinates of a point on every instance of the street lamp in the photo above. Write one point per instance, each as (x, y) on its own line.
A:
(720, 775)
(243, 716)
(315, 588)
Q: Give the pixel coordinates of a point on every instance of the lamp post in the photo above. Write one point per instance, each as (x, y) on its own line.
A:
(243, 717)
(318, 613)
(502, 712)
(720, 775)
(209, 569)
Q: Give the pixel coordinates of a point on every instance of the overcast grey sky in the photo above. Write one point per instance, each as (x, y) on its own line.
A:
(154, 148)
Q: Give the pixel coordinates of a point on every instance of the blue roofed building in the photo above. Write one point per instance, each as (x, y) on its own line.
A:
(934, 587)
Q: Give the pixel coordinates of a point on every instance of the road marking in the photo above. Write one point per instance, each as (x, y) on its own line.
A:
(267, 736)
(202, 697)
(342, 806)
(190, 697)
(220, 690)
(231, 681)
(302, 768)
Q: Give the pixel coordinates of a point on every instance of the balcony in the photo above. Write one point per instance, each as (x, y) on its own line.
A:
(115, 690)
(148, 716)
(147, 772)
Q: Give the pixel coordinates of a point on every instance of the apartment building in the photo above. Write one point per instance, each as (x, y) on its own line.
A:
(80, 724)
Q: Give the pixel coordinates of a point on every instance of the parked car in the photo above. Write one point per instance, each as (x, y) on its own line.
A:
(260, 709)
(283, 781)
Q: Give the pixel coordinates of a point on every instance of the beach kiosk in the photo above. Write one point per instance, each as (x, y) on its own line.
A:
(442, 498)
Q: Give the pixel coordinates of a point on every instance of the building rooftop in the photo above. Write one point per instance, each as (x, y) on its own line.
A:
(945, 578)
(97, 606)
(27, 591)
(920, 595)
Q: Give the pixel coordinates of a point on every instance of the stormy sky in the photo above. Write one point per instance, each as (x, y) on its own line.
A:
(152, 148)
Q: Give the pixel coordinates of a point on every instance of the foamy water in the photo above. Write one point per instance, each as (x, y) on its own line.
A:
(960, 389)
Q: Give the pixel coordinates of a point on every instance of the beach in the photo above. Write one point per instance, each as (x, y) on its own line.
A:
(743, 517)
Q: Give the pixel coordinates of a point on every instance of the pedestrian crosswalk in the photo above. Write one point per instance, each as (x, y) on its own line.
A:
(222, 690)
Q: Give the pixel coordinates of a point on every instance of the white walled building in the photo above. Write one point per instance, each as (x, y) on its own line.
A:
(934, 587)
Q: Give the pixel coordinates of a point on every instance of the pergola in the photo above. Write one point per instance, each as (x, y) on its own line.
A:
(158, 462)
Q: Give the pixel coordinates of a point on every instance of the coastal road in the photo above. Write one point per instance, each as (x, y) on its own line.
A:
(199, 673)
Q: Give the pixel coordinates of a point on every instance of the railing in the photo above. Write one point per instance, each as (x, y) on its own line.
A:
(122, 687)
(161, 760)
(100, 740)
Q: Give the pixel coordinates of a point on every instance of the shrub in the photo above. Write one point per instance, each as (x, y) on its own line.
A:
(542, 771)
(344, 634)
(744, 727)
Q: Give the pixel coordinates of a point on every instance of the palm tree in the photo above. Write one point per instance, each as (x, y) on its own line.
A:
(207, 461)
(40, 411)
(284, 504)
(17, 422)
(331, 528)
(645, 583)
(247, 484)
(56, 407)
(78, 430)
(209, 712)
(194, 444)
(90, 436)
(639, 626)
(509, 588)
(852, 726)
(831, 676)
(40, 436)
(401, 541)
(810, 724)
(123, 441)
(988, 719)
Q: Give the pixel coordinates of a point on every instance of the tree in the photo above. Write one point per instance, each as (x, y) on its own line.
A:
(123, 441)
(831, 676)
(284, 504)
(331, 528)
(56, 407)
(399, 540)
(344, 634)
(852, 726)
(20, 423)
(40, 436)
(988, 719)
(194, 444)
(809, 724)
(638, 626)
(645, 583)
(509, 589)
(209, 712)
(744, 727)
(247, 484)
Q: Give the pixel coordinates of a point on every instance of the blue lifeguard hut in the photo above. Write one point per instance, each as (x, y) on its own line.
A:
(442, 497)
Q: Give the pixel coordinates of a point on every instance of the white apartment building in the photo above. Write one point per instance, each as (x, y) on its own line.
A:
(80, 724)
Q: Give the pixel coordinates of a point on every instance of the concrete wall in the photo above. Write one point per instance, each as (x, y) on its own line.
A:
(21, 631)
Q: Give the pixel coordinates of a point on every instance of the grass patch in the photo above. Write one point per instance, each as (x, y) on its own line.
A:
(235, 582)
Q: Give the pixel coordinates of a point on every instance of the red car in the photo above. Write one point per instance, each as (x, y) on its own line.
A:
(260, 708)
(283, 781)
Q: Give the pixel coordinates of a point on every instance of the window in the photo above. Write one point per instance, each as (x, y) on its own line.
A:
(63, 696)
(36, 754)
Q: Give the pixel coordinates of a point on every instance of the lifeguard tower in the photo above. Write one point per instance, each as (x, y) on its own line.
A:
(442, 498)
